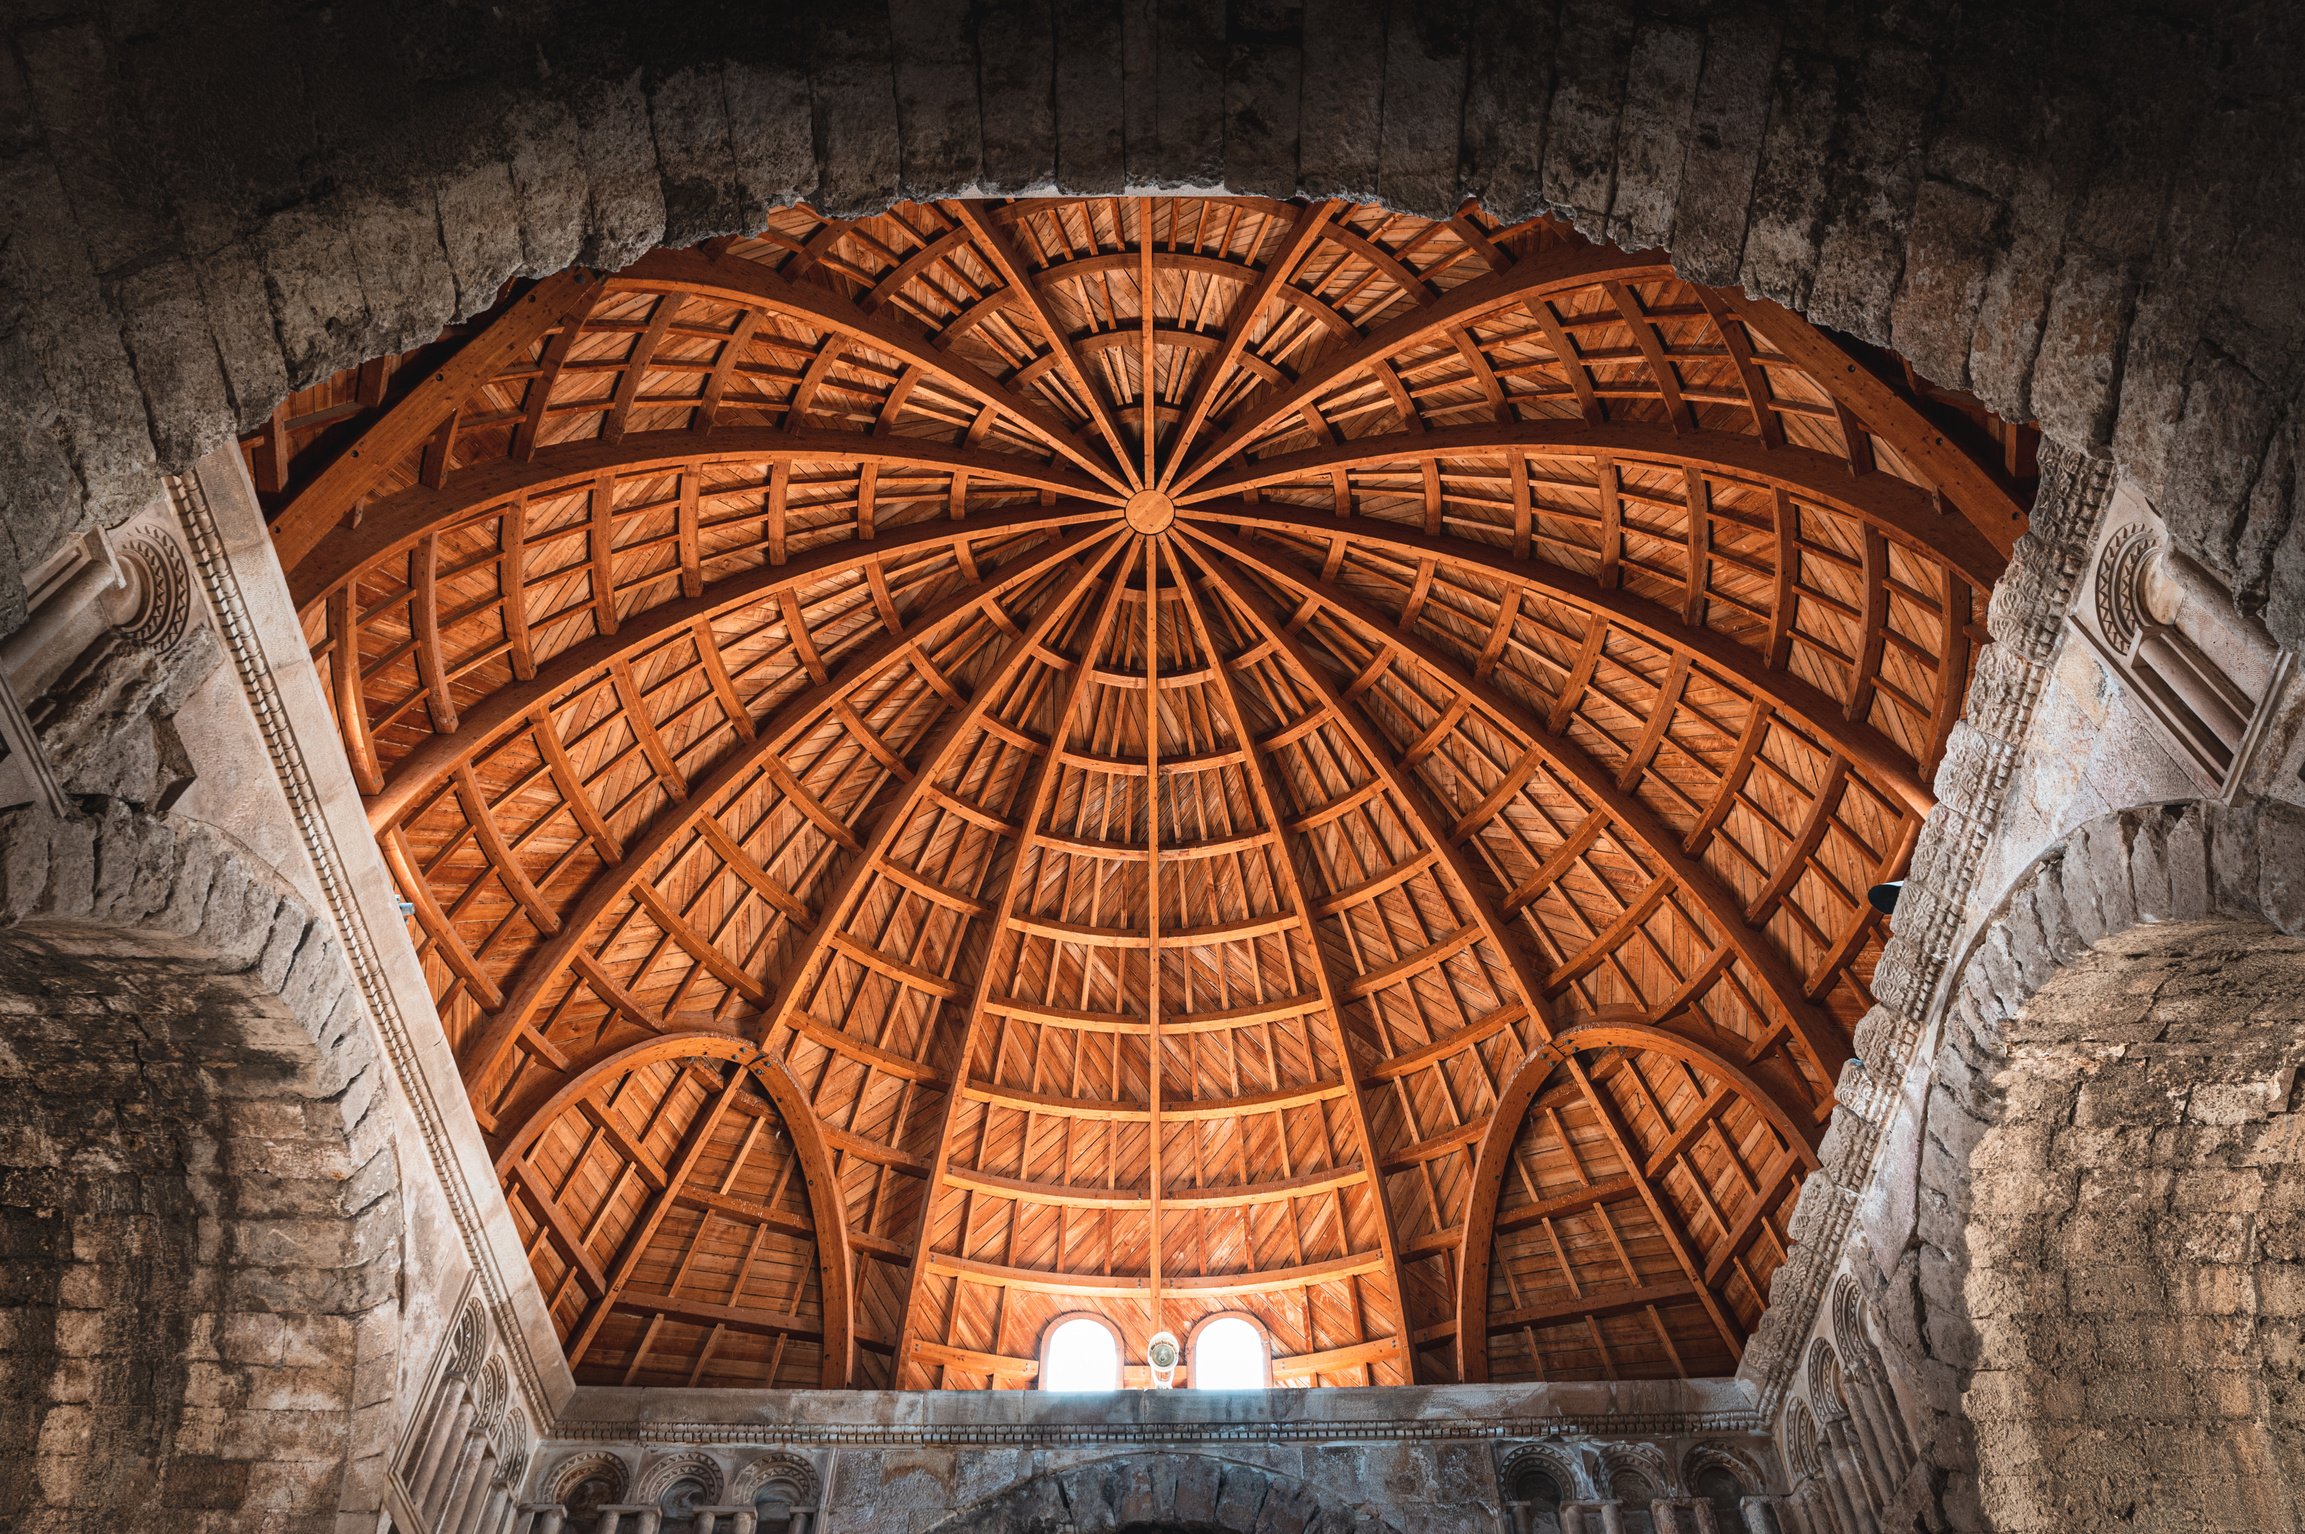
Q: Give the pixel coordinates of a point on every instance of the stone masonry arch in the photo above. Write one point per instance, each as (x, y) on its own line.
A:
(2084, 217)
(198, 1198)
(1152, 1491)
(2111, 1269)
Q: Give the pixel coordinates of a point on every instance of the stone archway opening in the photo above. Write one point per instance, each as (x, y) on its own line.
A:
(198, 1231)
(2137, 1275)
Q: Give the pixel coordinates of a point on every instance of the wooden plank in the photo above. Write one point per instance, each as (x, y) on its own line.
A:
(673, 1307)
(1577, 1307)
(1895, 506)
(669, 828)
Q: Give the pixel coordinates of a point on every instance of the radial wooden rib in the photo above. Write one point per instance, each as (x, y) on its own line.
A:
(1326, 982)
(1826, 1045)
(889, 819)
(1035, 798)
(1560, 268)
(1306, 227)
(748, 282)
(546, 963)
(1801, 701)
(396, 522)
(1879, 499)
(994, 243)
(503, 710)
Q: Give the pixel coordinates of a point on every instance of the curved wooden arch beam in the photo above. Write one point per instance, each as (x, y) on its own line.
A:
(1982, 499)
(393, 523)
(840, 901)
(1874, 754)
(1691, 1041)
(833, 1256)
(1414, 803)
(738, 281)
(332, 494)
(1494, 1158)
(1292, 888)
(1762, 958)
(526, 990)
(1899, 508)
(1035, 797)
(1550, 271)
(481, 725)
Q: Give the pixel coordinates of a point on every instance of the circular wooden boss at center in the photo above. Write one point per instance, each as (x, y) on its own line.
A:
(1150, 511)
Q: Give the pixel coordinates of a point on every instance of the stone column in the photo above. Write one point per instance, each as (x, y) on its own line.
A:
(469, 1488)
(448, 1428)
(1844, 1500)
(1760, 1515)
(424, 1461)
(1881, 1472)
(1848, 1470)
(1882, 1416)
(488, 1509)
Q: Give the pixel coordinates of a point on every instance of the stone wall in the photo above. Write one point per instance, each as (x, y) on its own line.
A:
(2137, 1242)
(2088, 215)
(199, 1222)
(1949, 1289)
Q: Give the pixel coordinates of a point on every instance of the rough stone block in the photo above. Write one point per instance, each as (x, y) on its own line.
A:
(938, 114)
(1724, 146)
(1653, 134)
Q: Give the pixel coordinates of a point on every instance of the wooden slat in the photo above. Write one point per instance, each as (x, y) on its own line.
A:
(332, 494)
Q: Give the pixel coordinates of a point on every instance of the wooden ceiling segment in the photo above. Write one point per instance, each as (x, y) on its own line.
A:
(1176, 754)
(679, 1211)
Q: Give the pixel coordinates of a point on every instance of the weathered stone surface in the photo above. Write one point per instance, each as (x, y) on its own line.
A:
(2050, 237)
(2098, 1086)
(192, 1244)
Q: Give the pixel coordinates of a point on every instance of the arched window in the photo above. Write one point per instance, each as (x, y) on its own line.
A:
(1718, 1487)
(1539, 1494)
(1080, 1352)
(1230, 1353)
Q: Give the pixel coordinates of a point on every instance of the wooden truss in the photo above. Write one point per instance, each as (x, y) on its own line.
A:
(1158, 756)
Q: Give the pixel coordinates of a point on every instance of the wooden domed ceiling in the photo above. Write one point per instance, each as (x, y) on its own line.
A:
(914, 830)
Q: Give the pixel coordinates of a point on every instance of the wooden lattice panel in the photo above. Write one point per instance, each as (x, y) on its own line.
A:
(1157, 756)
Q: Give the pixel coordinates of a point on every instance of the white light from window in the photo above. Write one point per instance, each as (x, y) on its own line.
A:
(1082, 1355)
(1229, 1354)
